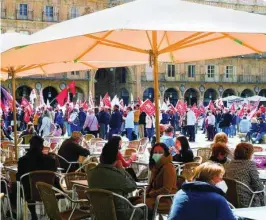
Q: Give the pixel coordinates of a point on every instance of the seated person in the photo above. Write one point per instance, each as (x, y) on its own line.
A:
(182, 152)
(244, 125)
(203, 198)
(162, 181)
(253, 129)
(71, 151)
(243, 169)
(153, 140)
(167, 138)
(32, 161)
(220, 137)
(110, 175)
(219, 154)
(261, 132)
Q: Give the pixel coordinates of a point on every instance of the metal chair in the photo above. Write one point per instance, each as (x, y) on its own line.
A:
(129, 151)
(9, 174)
(66, 180)
(188, 170)
(232, 195)
(143, 144)
(156, 205)
(6, 195)
(86, 167)
(104, 204)
(48, 196)
(134, 144)
(88, 137)
(197, 159)
(26, 138)
(205, 153)
(57, 157)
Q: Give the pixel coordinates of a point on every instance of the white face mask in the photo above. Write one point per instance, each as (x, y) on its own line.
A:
(222, 185)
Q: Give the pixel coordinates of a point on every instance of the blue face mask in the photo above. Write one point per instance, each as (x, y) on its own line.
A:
(156, 157)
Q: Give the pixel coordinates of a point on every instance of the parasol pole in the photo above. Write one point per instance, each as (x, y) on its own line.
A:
(156, 83)
(12, 73)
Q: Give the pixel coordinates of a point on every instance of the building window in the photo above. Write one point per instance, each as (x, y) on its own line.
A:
(49, 12)
(23, 10)
(74, 12)
(171, 70)
(73, 73)
(229, 71)
(210, 71)
(191, 71)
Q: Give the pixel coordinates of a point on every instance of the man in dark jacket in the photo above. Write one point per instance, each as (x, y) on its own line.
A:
(32, 161)
(115, 122)
(165, 118)
(103, 119)
(82, 117)
(226, 122)
(71, 150)
(261, 132)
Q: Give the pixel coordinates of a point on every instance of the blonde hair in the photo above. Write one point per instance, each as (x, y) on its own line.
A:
(207, 171)
(220, 137)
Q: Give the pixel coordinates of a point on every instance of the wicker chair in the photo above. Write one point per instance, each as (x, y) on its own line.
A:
(205, 153)
(10, 175)
(129, 151)
(88, 137)
(26, 138)
(48, 196)
(94, 140)
(197, 159)
(143, 144)
(9, 149)
(188, 170)
(134, 144)
(257, 149)
(232, 195)
(103, 205)
(6, 195)
(157, 202)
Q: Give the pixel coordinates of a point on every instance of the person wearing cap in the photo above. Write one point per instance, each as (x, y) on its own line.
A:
(115, 122)
(103, 118)
(71, 151)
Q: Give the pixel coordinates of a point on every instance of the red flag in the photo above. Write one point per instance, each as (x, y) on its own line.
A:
(121, 103)
(27, 115)
(172, 108)
(233, 108)
(139, 101)
(72, 87)
(147, 107)
(211, 106)
(26, 104)
(251, 114)
(85, 105)
(106, 100)
(241, 112)
(62, 97)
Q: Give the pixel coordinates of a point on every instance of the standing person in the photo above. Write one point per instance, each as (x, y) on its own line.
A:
(129, 123)
(244, 125)
(91, 123)
(35, 120)
(210, 128)
(165, 118)
(21, 119)
(103, 119)
(191, 121)
(74, 121)
(46, 124)
(150, 125)
(142, 124)
(172, 119)
(115, 122)
(226, 121)
(233, 125)
(82, 117)
(136, 120)
(66, 118)
(218, 118)
(58, 118)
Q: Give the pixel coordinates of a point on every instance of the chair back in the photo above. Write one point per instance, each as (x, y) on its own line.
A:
(39, 176)
(129, 152)
(188, 171)
(69, 177)
(88, 137)
(90, 166)
(94, 140)
(20, 140)
(48, 197)
(257, 149)
(143, 144)
(53, 155)
(197, 159)
(26, 138)
(102, 202)
(99, 146)
(179, 181)
(11, 174)
(205, 153)
(231, 193)
(134, 144)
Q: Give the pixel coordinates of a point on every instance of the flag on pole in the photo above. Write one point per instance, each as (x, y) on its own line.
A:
(106, 100)
(62, 97)
(121, 103)
(233, 108)
(26, 104)
(131, 99)
(85, 105)
(47, 103)
(91, 103)
(33, 95)
(101, 102)
(139, 101)
(147, 107)
(72, 87)
(41, 98)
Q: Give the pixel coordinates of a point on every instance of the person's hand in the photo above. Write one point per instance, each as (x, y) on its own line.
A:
(118, 164)
(133, 156)
(173, 149)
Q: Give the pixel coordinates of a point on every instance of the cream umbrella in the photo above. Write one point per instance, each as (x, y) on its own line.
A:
(145, 31)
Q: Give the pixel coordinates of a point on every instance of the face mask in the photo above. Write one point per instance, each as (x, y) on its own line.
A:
(222, 185)
(156, 157)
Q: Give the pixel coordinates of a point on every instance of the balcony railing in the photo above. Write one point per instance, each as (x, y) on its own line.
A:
(29, 15)
(3, 12)
(54, 18)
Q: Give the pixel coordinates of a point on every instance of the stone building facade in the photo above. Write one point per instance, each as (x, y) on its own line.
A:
(194, 82)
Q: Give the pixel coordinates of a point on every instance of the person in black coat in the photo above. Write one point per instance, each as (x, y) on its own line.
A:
(32, 161)
(103, 119)
(182, 151)
(226, 122)
(71, 150)
(142, 125)
(115, 122)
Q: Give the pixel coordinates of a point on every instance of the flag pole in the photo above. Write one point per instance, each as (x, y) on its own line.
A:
(156, 83)
(12, 73)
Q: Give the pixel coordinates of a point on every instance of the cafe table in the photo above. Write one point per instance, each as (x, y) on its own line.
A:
(262, 153)
(254, 213)
(262, 175)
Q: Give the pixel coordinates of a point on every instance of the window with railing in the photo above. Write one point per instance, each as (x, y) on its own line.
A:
(75, 73)
(22, 12)
(191, 71)
(229, 71)
(3, 12)
(50, 14)
(171, 70)
(74, 12)
(210, 71)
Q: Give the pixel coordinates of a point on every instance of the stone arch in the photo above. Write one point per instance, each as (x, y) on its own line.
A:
(210, 94)
(228, 92)
(124, 94)
(247, 93)
(148, 94)
(49, 93)
(191, 96)
(262, 92)
(172, 94)
(23, 91)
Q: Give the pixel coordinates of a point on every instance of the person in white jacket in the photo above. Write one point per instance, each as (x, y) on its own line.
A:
(191, 121)
(129, 123)
(46, 124)
(150, 125)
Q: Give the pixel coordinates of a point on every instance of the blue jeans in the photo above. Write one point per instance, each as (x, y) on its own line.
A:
(217, 128)
(226, 130)
(68, 130)
(150, 133)
(260, 136)
(129, 133)
(136, 129)
(103, 131)
(233, 130)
